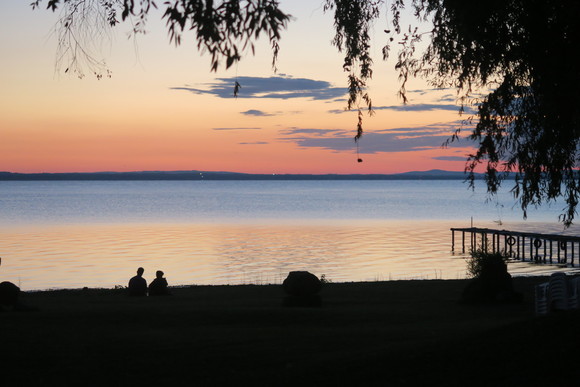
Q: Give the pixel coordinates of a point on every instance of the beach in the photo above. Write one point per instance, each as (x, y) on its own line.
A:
(365, 333)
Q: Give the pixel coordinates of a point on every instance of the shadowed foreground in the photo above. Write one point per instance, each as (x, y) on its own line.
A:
(380, 333)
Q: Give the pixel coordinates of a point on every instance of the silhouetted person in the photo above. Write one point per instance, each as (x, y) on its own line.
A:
(158, 287)
(137, 284)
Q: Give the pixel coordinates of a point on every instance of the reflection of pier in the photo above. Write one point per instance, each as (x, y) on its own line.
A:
(540, 248)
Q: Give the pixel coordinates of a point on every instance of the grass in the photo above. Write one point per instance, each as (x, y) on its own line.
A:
(378, 333)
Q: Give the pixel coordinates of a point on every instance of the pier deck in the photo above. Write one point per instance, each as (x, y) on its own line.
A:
(534, 247)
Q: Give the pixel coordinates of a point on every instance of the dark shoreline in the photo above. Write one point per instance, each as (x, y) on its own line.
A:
(202, 175)
(400, 333)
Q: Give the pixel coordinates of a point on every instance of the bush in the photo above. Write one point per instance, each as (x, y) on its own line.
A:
(491, 281)
(482, 264)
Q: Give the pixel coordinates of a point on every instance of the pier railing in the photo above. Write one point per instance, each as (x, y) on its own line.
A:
(534, 247)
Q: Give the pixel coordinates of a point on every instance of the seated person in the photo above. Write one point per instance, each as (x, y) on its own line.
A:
(158, 287)
(138, 284)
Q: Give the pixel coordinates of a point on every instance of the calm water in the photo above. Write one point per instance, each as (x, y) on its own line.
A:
(75, 234)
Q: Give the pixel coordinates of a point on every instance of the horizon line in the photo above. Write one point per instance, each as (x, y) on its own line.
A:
(233, 172)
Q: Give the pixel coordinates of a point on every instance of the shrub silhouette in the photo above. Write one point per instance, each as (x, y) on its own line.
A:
(491, 281)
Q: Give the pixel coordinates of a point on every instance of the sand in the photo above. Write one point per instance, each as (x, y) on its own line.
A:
(366, 333)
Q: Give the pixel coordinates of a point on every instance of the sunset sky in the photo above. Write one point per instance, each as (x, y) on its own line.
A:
(162, 108)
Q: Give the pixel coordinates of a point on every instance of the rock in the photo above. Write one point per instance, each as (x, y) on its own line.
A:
(9, 294)
(301, 284)
(302, 288)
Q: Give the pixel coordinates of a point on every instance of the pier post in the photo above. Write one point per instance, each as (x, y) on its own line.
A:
(472, 235)
(545, 250)
(537, 243)
(452, 240)
(484, 241)
(505, 245)
(565, 248)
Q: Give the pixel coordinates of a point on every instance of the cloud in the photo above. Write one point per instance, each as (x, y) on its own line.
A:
(427, 91)
(450, 158)
(448, 98)
(388, 140)
(422, 107)
(236, 128)
(316, 132)
(280, 87)
(257, 113)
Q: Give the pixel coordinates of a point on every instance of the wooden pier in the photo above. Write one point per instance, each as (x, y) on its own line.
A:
(533, 247)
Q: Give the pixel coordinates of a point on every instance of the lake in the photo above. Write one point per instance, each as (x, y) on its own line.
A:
(71, 234)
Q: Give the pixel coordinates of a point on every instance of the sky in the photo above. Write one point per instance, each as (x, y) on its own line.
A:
(163, 109)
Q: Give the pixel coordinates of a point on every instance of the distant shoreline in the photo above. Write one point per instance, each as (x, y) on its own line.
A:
(201, 175)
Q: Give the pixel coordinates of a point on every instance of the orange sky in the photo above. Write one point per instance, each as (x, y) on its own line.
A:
(162, 109)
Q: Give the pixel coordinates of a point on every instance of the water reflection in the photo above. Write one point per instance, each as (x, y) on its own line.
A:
(40, 257)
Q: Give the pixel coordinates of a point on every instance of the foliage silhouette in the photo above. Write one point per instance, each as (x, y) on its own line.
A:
(491, 281)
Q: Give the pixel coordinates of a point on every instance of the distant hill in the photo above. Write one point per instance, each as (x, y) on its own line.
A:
(434, 174)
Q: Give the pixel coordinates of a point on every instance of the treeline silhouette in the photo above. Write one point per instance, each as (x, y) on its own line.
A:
(198, 175)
